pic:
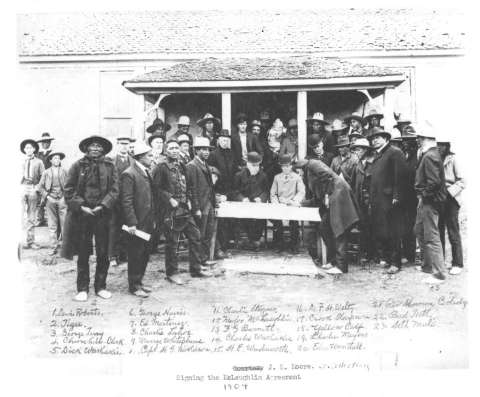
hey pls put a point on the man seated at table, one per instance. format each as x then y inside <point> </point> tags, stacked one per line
<point>287,188</point>
<point>251,185</point>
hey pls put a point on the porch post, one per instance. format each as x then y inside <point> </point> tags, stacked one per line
<point>227,110</point>
<point>388,108</point>
<point>302,124</point>
<point>138,119</point>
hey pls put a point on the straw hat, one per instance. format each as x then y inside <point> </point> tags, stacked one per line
<point>318,116</point>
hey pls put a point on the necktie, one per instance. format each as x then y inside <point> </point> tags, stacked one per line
<point>28,168</point>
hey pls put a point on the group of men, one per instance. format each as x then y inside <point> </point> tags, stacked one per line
<point>393,191</point>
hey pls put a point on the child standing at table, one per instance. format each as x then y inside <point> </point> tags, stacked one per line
<point>287,188</point>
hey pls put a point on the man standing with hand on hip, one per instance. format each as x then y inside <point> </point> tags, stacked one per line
<point>138,208</point>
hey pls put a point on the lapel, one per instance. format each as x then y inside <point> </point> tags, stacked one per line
<point>249,141</point>
<point>204,169</point>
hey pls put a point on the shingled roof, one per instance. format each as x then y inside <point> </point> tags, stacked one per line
<point>285,68</point>
<point>238,32</point>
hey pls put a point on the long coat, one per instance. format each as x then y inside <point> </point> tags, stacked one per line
<point>74,198</point>
<point>321,180</point>
<point>136,199</point>
<point>387,183</point>
<point>430,178</point>
<point>225,161</point>
<point>253,145</point>
<point>199,181</point>
<point>361,178</point>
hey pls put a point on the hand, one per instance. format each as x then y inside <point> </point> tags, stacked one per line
<point>97,210</point>
<point>87,210</point>
<point>395,202</point>
<point>173,203</point>
<point>257,199</point>
<point>131,230</point>
<point>246,200</point>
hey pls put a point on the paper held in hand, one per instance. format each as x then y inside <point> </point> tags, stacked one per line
<point>138,233</point>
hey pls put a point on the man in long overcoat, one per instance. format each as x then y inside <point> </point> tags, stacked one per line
<point>91,190</point>
<point>386,193</point>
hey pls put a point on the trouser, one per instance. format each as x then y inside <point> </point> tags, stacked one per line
<point>93,226</point>
<point>449,219</point>
<point>426,229</point>
<point>197,255</point>
<point>30,201</point>
<point>278,232</point>
<point>41,210</point>
<point>225,233</point>
<point>388,243</point>
<point>253,227</point>
<point>138,251</point>
<point>409,241</point>
<point>117,238</point>
<point>366,240</point>
<point>56,210</point>
<point>206,224</point>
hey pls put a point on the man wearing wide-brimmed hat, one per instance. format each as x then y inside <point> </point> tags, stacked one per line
<point>45,143</point>
<point>346,161</point>
<point>315,150</point>
<point>373,119</point>
<point>51,187</point>
<point>402,122</point>
<point>91,191</point>
<point>199,179</point>
<point>210,126</point>
<point>256,127</point>
<point>157,143</point>
<point>244,141</point>
<point>338,128</point>
<point>138,209</point>
<point>31,174</point>
<point>355,121</point>
<point>289,143</point>
<point>386,194</point>
<point>317,125</point>
<point>432,194</point>
<point>185,155</point>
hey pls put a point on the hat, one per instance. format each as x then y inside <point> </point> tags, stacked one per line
<point>201,142</point>
<point>361,142</point>
<point>158,123</point>
<point>401,121</point>
<point>379,131</point>
<point>154,136</point>
<point>313,140</point>
<point>183,120</point>
<point>254,158</point>
<point>124,138</point>
<point>285,159</point>
<point>342,141</point>
<point>241,117</point>
<point>224,133</point>
<point>45,137</point>
<point>338,125</point>
<point>355,134</point>
<point>292,123</point>
<point>214,170</point>
<point>208,117</point>
<point>140,148</point>
<point>30,141</point>
<point>104,142</point>
<point>265,115</point>
<point>354,116</point>
<point>255,122</point>
<point>373,113</point>
<point>183,138</point>
<point>318,117</point>
<point>425,130</point>
<point>56,153</point>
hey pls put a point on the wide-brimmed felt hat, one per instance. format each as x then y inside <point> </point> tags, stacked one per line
<point>104,142</point>
<point>313,140</point>
<point>254,158</point>
<point>355,116</point>
<point>183,120</point>
<point>158,123</point>
<point>355,134</point>
<point>201,142</point>
<point>361,142</point>
<point>56,153</point>
<point>256,123</point>
<point>140,148</point>
<point>375,131</point>
<point>401,121</point>
<point>224,133</point>
<point>125,138</point>
<point>338,126</point>
<point>45,137</point>
<point>373,113</point>
<point>155,136</point>
<point>33,142</point>
<point>342,141</point>
<point>318,116</point>
<point>285,159</point>
<point>208,117</point>
<point>182,138</point>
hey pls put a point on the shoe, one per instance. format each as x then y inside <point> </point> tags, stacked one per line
<point>209,263</point>
<point>82,296</point>
<point>146,288</point>
<point>455,270</point>
<point>175,279</point>
<point>334,270</point>
<point>433,280</point>
<point>140,293</point>
<point>392,270</point>
<point>327,266</point>
<point>201,274</point>
<point>104,294</point>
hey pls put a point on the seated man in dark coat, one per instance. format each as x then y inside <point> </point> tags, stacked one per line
<point>91,190</point>
<point>251,185</point>
<point>138,207</point>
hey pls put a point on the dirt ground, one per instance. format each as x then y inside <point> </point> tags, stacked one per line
<point>53,286</point>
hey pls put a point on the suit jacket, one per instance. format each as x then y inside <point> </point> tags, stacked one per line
<point>122,165</point>
<point>225,161</point>
<point>44,157</point>
<point>253,145</point>
<point>250,186</point>
<point>45,184</point>
<point>199,180</point>
<point>136,198</point>
<point>345,166</point>
<point>430,178</point>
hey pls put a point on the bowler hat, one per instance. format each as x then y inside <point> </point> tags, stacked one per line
<point>31,142</point>
<point>45,137</point>
<point>401,122</point>
<point>354,116</point>
<point>183,120</point>
<point>241,117</point>
<point>224,133</point>
<point>208,117</point>
<point>201,142</point>
<point>256,122</point>
<point>317,117</point>
<point>285,159</point>
<point>361,142</point>
<point>379,131</point>
<point>254,158</point>
<point>125,138</point>
<point>140,148</point>
<point>342,141</point>
<point>154,136</point>
<point>373,113</point>
<point>56,153</point>
<point>313,140</point>
<point>158,123</point>
<point>104,142</point>
<point>182,138</point>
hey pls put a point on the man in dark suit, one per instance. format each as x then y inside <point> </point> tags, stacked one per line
<point>116,245</point>
<point>199,179</point>
<point>137,204</point>
<point>244,142</point>
<point>386,192</point>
